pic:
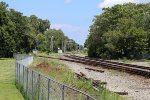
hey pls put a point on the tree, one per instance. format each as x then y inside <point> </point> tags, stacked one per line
<point>7,43</point>
<point>120,31</point>
<point>38,25</point>
<point>22,34</point>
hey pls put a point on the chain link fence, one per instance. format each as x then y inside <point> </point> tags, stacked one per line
<point>37,86</point>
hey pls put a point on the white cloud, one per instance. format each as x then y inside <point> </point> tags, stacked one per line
<point>67,1</point>
<point>143,1</point>
<point>110,3</point>
<point>66,27</point>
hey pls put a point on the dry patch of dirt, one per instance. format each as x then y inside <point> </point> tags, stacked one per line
<point>47,67</point>
<point>43,65</point>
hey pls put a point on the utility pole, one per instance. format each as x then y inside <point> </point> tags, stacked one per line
<point>52,43</point>
<point>64,46</point>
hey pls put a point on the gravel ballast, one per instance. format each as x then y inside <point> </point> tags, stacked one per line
<point>138,87</point>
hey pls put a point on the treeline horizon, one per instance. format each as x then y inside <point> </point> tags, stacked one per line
<point>121,31</point>
<point>22,34</point>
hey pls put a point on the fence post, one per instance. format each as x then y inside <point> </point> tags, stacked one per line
<point>48,88</point>
<point>23,77</point>
<point>32,87</point>
<point>39,88</point>
<point>42,95</point>
<point>27,84</point>
<point>19,75</point>
<point>62,91</point>
<point>16,73</point>
<point>87,98</point>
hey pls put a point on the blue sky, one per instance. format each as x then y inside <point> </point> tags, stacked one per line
<point>72,16</point>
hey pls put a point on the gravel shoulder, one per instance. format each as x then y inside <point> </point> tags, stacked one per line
<point>141,63</point>
<point>138,87</point>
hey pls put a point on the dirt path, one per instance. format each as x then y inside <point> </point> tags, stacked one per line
<point>138,88</point>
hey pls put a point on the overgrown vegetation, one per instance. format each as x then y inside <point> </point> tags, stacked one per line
<point>8,89</point>
<point>19,33</point>
<point>120,31</point>
<point>59,71</point>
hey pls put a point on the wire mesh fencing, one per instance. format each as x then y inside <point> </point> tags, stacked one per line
<point>37,86</point>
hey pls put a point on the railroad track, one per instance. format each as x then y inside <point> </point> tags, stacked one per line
<point>133,69</point>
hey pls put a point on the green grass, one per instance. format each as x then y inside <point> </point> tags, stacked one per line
<point>146,60</point>
<point>125,60</point>
<point>49,54</point>
<point>8,90</point>
<point>61,72</point>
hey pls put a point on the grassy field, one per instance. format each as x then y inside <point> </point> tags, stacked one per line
<point>8,90</point>
<point>61,72</point>
<point>60,55</point>
<point>49,54</point>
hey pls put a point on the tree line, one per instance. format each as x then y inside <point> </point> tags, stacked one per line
<point>19,33</point>
<point>122,31</point>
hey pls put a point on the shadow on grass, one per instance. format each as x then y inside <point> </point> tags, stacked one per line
<point>4,59</point>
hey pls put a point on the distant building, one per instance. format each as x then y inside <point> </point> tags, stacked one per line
<point>59,50</point>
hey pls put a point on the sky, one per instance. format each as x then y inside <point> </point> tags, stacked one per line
<point>74,17</point>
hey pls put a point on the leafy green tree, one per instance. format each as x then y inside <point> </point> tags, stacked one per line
<point>38,25</point>
<point>7,43</point>
<point>120,31</point>
<point>22,34</point>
